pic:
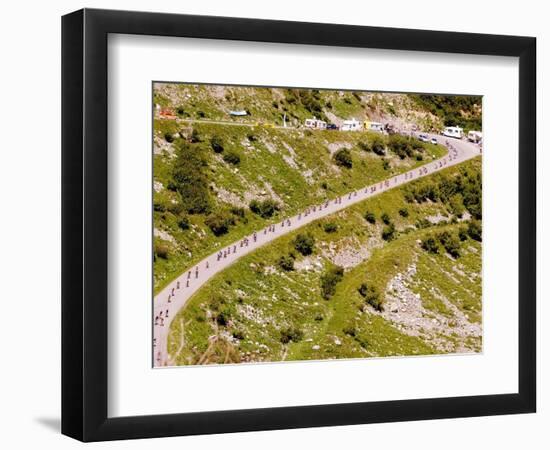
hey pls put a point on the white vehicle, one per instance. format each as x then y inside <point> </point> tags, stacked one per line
<point>351,125</point>
<point>475,136</point>
<point>433,141</point>
<point>453,132</point>
<point>423,138</point>
<point>315,124</point>
<point>374,126</point>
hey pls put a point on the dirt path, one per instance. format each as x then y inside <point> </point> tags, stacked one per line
<point>174,297</point>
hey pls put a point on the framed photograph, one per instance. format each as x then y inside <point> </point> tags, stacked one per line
<point>274,224</point>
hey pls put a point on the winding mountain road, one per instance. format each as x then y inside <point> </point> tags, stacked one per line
<point>174,297</point>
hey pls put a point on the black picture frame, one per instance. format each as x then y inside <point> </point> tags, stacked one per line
<point>84,224</point>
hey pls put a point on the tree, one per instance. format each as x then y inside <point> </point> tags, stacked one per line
<point>386,218</point>
<point>404,212</point>
<point>291,334</point>
<point>330,227</point>
<point>343,158</point>
<point>450,243</point>
<point>304,243</point>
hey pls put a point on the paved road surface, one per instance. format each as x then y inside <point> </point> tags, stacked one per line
<point>174,296</point>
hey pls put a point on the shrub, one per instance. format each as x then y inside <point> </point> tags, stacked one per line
<point>330,227</point>
<point>386,218</point>
<point>265,209</point>
<point>219,223</point>
<point>291,334</point>
<point>190,179</point>
<point>350,331</point>
<point>232,157</point>
<point>238,334</point>
<point>304,243</point>
<point>385,164</point>
<point>195,136</point>
<point>377,145</point>
<point>450,243</point>
<point>370,217</point>
<point>389,232</point>
<point>474,230</point>
<point>343,158</point>
<point>286,263</point>
<point>404,212</point>
<point>183,223</point>
<point>251,137</point>
<point>201,114</point>
<point>162,250</point>
<point>216,143</point>
<point>169,137</point>
<point>324,185</point>
<point>372,296</point>
<point>223,317</point>
<point>463,233</point>
<point>237,211</point>
<point>430,245</point>
<point>329,280</point>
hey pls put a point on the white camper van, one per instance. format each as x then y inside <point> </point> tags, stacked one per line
<point>351,125</point>
<point>315,124</point>
<point>453,132</point>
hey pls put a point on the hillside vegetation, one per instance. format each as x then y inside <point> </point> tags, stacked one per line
<point>397,274</point>
<point>216,183</point>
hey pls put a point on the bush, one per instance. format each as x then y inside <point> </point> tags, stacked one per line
<point>195,136</point>
<point>370,217</point>
<point>219,223</point>
<point>430,245</point>
<point>474,230</point>
<point>463,233</point>
<point>329,280</point>
<point>251,137</point>
<point>343,158</point>
<point>330,227</point>
<point>350,331</point>
<point>401,146</point>
<point>404,212</point>
<point>223,317</point>
<point>450,243</point>
<point>190,180</point>
<point>291,334</point>
<point>232,158</point>
<point>386,218</point>
<point>169,137</point>
<point>364,146</point>
<point>286,263</point>
<point>162,250</point>
<point>237,211</point>
<point>183,223</point>
<point>265,209</point>
<point>378,145</point>
<point>216,143</point>
<point>389,232</point>
<point>385,164</point>
<point>304,243</point>
<point>372,296</point>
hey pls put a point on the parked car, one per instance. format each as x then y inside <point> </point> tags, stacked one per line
<point>423,138</point>
<point>332,126</point>
<point>433,141</point>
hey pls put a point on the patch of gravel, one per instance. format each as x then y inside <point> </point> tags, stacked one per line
<point>164,235</point>
<point>405,310</point>
<point>229,197</point>
<point>157,186</point>
<point>309,264</point>
<point>350,252</point>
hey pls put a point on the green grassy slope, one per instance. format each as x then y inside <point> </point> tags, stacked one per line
<point>256,311</point>
<point>295,168</point>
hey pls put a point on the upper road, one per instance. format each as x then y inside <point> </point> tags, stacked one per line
<point>175,296</point>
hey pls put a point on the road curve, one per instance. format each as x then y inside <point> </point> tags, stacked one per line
<point>174,297</point>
